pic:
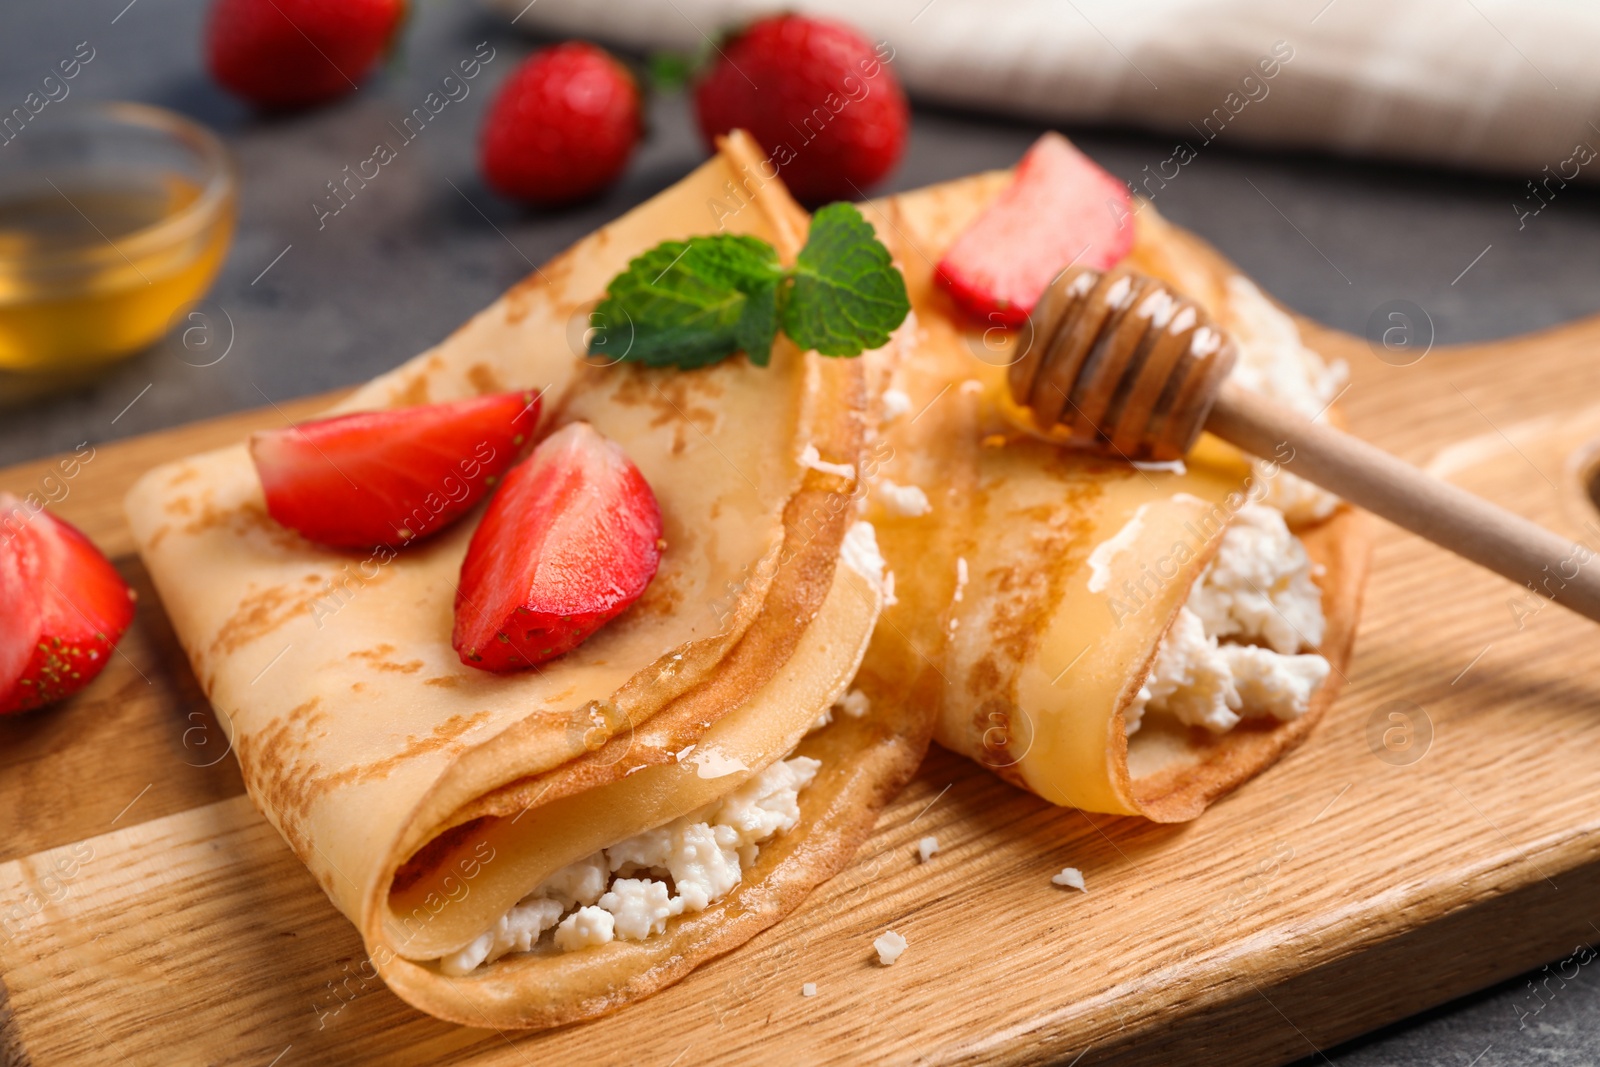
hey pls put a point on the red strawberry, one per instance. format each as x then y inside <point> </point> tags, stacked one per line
<point>816,96</point>
<point>65,608</point>
<point>290,53</point>
<point>571,539</point>
<point>1059,209</point>
<point>387,477</point>
<point>562,127</point>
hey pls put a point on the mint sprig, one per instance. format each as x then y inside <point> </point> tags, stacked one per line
<point>692,303</point>
<point>847,295</point>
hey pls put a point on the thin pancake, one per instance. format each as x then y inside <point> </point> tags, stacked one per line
<point>370,747</point>
<point>1037,656</point>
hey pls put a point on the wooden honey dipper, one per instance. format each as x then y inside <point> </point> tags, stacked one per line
<point>1120,363</point>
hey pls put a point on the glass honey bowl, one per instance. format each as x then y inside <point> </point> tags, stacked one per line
<point>112,217</point>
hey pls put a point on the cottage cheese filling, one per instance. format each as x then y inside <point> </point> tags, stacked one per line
<point>1233,650</point>
<point>1274,362</point>
<point>628,892</point>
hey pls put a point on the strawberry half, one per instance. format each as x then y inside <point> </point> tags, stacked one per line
<point>389,477</point>
<point>64,608</point>
<point>568,543</point>
<point>1059,209</point>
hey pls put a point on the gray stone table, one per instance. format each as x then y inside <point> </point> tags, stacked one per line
<point>425,245</point>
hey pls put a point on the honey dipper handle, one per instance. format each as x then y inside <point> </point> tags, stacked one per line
<point>1448,516</point>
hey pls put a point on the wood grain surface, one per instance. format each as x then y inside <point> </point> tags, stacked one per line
<point>149,915</point>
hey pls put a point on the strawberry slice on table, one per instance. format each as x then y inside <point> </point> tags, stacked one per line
<point>572,538</point>
<point>1059,209</point>
<point>63,608</point>
<point>390,477</point>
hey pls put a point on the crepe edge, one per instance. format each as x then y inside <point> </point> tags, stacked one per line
<point>865,763</point>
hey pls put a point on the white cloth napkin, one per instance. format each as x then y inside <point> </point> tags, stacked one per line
<point>1506,85</point>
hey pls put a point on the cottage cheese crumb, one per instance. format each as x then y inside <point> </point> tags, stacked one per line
<point>639,907</point>
<point>926,848</point>
<point>584,927</point>
<point>579,883</point>
<point>907,501</point>
<point>1071,878</point>
<point>895,404</point>
<point>809,989</point>
<point>889,945</point>
<point>855,704</point>
<point>859,552</point>
<point>810,457</point>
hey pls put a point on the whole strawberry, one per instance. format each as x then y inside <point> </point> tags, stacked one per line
<point>817,97</point>
<point>292,53</point>
<point>562,127</point>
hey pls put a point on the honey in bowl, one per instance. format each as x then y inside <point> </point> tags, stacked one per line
<point>111,219</point>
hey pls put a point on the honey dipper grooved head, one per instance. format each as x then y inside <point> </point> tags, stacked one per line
<point>1121,363</point>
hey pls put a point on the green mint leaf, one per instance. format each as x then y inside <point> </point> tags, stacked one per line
<point>758,325</point>
<point>848,296</point>
<point>691,303</point>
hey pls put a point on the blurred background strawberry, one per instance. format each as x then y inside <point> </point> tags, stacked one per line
<point>293,53</point>
<point>562,127</point>
<point>816,95</point>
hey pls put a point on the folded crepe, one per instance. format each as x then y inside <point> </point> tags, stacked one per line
<point>1114,638</point>
<point>658,795</point>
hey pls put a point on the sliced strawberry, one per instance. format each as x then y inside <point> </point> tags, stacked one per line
<point>19,602</point>
<point>1060,208</point>
<point>64,608</point>
<point>388,477</point>
<point>570,540</point>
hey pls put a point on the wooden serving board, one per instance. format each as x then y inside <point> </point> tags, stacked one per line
<point>148,914</point>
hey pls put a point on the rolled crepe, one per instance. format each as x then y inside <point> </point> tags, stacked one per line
<point>427,797</point>
<point>1040,582</point>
